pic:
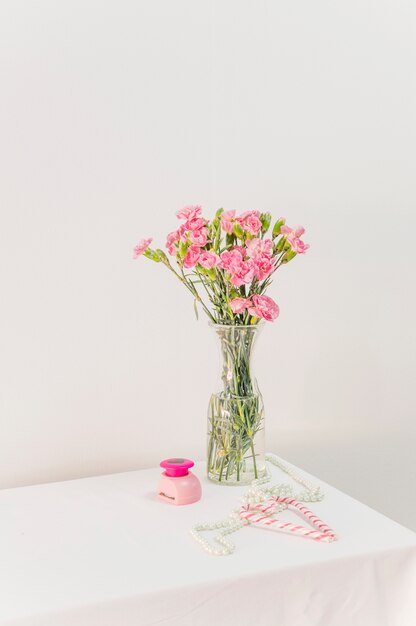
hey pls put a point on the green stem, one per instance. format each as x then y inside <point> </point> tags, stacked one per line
<point>254,459</point>
<point>221,469</point>
<point>191,287</point>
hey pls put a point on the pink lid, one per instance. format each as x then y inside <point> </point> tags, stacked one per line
<point>176,467</point>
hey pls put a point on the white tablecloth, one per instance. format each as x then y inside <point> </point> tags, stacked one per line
<point>106,551</point>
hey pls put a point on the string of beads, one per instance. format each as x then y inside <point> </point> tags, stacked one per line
<point>257,493</point>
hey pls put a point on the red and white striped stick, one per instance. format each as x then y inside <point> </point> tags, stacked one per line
<point>261,514</point>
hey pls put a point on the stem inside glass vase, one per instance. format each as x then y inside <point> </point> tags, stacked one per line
<point>236,412</point>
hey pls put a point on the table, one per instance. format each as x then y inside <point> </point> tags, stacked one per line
<point>106,551</point>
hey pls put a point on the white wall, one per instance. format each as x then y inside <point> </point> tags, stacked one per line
<point>115,114</point>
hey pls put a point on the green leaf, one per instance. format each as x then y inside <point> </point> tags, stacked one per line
<point>218,213</point>
<point>196,309</point>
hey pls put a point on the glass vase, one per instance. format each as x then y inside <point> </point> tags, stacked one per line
<point>236,412</point>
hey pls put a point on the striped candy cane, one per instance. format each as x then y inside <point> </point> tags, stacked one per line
<point>261,514</point>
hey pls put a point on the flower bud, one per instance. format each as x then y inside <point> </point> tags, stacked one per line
<point>277,227</point>
<point>265,219</point>
<point>279,246</point>
<point>212,273</point>
<point>152,255</point>
<point>183,248</point>
<point>229,240</point>
<point>162,255</point>
<point>289,255</point>
<point>238,231</point>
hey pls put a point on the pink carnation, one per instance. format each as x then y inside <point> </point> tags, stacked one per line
<point>227,221</point>
<point>199,237</point>
<point>241,272</point>
<point>293,236</point>
<point>263,266</point>
<point>292,232</point>
<point>182,234</point>
<point>259,246</point>
<point>188,212</point>
<point>299,246</point>
<point>141,247</point>
<point>231,258</point>
<point>238,305</point>
<point>260,251</point>
<point>173,238</point>
<point>192,256</point>
<point>264,307</point>
<point>208,259</point>
<point>250,222</point>
<point>195,223</point>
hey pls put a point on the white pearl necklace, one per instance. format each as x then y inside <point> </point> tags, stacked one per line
<point>255,495</point>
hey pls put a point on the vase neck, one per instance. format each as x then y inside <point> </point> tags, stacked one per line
<point>236,351</point>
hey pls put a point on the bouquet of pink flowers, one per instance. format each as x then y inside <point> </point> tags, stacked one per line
<point>227,263</point>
